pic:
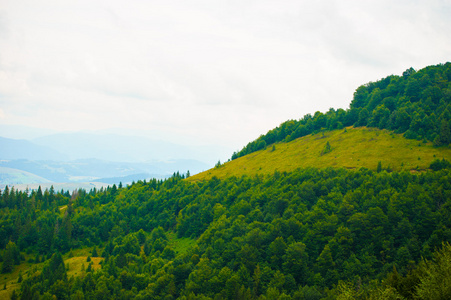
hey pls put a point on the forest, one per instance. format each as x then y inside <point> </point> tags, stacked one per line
<point>309,234</point>
<point>313,233</point>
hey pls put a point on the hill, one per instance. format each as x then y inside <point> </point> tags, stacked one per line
<point>416,104</point>
<point>351,148</point>
<point>355,212</point>
<point>88,170</point>
<point>14,177</point>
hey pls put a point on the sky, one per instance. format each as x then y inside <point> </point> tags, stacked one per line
<point>203,72</point>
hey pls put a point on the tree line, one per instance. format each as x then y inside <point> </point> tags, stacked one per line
<point>416,104</point>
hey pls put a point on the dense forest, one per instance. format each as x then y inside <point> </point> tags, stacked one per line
<point>309,234</point>
<point>416,104</point>
<point>313,233</point>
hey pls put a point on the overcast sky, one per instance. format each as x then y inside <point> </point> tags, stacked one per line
<point>204,72</point>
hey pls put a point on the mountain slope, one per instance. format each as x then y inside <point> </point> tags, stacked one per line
<point>9,176</point>
<point>94,169</point>
<point>416,104</point>
<point>349,148</point>
<point>23,149</point>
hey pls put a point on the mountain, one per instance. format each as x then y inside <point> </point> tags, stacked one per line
<point>87,156</point>
<point>23,149</point>
<point>416,104</point>
<point>15,177</point>
<point>83,170</point>
<point>120,148</point>
<point>350,148</point>
<point>23,132</point>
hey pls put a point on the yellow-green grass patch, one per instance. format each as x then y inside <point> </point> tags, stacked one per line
<point>76,266</point>
<point>10,279</point>
<point>179,245</point>
<point>351,148</point>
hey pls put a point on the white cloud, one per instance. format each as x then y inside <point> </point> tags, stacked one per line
<point>204,71</point>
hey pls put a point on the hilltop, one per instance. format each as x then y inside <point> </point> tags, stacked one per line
<point>403,122</point>
<point>350,148</point>
<point>416,104</point>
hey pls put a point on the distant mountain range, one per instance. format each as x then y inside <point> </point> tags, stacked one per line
<point>114,147</point>
<point>21,149</point>
<point>109,158</point>
<point>94,169</point>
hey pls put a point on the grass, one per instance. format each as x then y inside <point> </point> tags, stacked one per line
<point>10,279</point>
<point>75,264</point>
<point>78,265</point>
<point>179,245</point>
<point>352,148</point>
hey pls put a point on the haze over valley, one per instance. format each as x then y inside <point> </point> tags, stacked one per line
<point>95,157</point>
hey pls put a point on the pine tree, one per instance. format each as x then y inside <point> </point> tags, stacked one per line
<point>94,252</point>
<point>8,257</point>
<point>379,167</point>
<point>445,133</point>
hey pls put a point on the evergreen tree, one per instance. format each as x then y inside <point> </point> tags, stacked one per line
<point>435,278</point>
<point>94,252</point>
<point>8,257</point>
<point>444,137</point>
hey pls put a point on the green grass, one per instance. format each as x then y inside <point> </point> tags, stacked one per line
<point>352,148</point>
<point>78,265</point>
<point>179,245</point>
<point>12,176</point>
<point>75,261</point>
<point>10,279</point>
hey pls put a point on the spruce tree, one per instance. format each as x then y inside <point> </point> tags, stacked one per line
<point>445,133</point>
<point>94,252</point>
<point>10,256</point>
<point>379,167</point>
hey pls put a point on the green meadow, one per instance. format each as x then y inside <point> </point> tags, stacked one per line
<point>351,148</point>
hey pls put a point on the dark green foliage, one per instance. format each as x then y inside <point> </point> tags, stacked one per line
<point>11,257</point>
<point>14,295</point>
<point>444,136</point>
<point>416,105</point>
<point>327,148</point>
<point>52,280</point>
<point>430,279</point>
<point>292,235</point>
<point>440,164</point>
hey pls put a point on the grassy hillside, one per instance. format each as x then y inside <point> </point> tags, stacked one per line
<point>10,176</point>
<point>349,148</point>
<point>415,104</point>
